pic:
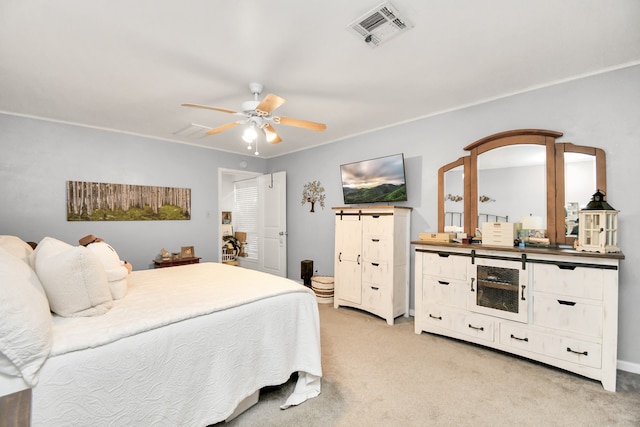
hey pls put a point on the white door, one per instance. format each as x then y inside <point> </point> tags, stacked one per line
<point>272,223</point>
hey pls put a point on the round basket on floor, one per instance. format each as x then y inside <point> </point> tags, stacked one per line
<point>323,288</point>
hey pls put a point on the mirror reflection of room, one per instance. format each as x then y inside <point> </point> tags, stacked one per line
<point>512,184</point>
<point>580,183</point>
<point>454,200</point>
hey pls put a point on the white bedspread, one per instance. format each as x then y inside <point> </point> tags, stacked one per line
<point>159,297</point>
<point>177,352</point>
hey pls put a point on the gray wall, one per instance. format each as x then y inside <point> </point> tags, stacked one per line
<point>38,157</point>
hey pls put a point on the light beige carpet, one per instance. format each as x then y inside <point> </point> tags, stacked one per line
<point>380,375</point>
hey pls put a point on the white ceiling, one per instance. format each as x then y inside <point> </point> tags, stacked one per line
<point>127,65</point>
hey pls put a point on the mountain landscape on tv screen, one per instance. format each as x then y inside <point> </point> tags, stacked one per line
<point>381,193</point>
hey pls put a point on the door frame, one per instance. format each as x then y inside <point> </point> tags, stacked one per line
<point>226,177</point>
<point>235,175</point>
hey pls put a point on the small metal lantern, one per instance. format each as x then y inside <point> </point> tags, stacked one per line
<point>598,226</point>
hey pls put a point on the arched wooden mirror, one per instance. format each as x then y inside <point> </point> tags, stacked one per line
<point>500,172</point>
<point>508,146</point>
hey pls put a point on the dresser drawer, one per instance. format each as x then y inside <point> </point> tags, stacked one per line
<point>581,316</point>
<point>580,282</point>
<point>517,336</point>
<point>445,265</point>
<point>373,296</point>
<point>377,248</point>
<point>452,293</point>
<point>377,225</point>
<point>376,272</point>
<point>437,316</point>
<point>474,325</point>
<point>579,351</point>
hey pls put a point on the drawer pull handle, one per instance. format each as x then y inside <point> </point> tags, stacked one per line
<point>435,317</point>
<point>443,283</point>
<point>566,267</point>
<point>441,255</point>
<point>375,288</point>
<point>358,259</point>
<point>519,339</point>
<point>562,302</point>
<point>375,264</point>
<point>375,240</point>
<point>584,353</point>
<point>376,216</point>
<point>340,257</point>
<point>477,328</point>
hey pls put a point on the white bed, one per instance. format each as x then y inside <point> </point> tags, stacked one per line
<point>185,346</point>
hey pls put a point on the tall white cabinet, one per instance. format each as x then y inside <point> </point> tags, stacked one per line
<point>559,307</point>
<point>372,253</point>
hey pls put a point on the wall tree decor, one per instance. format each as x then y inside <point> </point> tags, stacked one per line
<point>313,192</point>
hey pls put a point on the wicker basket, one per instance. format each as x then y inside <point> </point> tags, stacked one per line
<point>323,288</point>
<point>228,257</point>
<point>228,254</point>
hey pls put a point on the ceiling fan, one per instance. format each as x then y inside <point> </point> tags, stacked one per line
<point>258,116</point>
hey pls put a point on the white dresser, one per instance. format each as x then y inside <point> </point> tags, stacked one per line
<point>372,252</point>
<point>556,306</point>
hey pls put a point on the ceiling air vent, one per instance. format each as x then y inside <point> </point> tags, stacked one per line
<point>379,25</point>
<point>193,130</point>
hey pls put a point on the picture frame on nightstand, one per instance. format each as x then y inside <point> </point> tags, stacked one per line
<point>187,252</point>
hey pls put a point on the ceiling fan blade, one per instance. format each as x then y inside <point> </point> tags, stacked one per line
<point>206,107</point>
<point>221,128</point>
<point>268,104</point>
<point>271,134</point>
<point>300,123</point>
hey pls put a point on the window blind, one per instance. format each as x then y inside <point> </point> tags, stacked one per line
<point>245,213</point>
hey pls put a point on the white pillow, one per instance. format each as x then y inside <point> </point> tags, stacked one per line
<point>25,319</point>
<point>73,278</point>
<point>113,266</point>
<point>16,246</point>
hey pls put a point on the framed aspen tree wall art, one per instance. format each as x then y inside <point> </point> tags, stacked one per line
<point>96,201</point>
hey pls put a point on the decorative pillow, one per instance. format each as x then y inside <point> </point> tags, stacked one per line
<point>73,278</point>
<point>25,319</point>
<point>17,247</point>
<point>115,269</point>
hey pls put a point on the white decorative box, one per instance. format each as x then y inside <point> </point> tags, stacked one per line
<point>499,233</point>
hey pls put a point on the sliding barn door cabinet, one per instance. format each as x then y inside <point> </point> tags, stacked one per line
<point>372,252</point>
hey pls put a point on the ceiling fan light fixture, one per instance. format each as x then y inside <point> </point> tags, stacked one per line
<point>270,137</point>
<point>250,134</point>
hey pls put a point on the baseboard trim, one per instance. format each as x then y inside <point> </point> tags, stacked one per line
<point>634,368</point>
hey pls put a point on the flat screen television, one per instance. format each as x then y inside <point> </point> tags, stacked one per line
<point>375,180</point>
